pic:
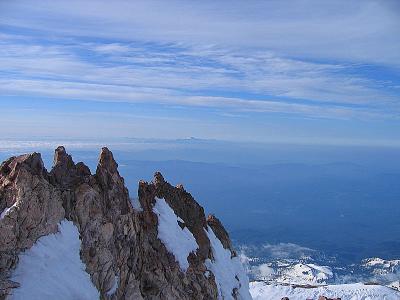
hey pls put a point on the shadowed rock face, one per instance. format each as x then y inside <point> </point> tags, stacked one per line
<point>220,232</point>
<point>118,243</point>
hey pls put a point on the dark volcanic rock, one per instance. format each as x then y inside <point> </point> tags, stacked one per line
<point>119,245</point>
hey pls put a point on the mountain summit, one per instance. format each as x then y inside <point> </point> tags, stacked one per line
<point>70,234</point>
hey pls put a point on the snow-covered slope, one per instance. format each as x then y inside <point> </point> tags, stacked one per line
<point>229,272</point>
<point>356,291</point>
<point>52,269</point>
<point>178,241</point>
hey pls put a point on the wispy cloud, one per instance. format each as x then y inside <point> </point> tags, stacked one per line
<point>357,31</point>
<point>208,76</point>
<point>307,60</point>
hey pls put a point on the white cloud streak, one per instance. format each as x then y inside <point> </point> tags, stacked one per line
<point>173,75</point>
<point>362,31</point>
<point>230,56</point>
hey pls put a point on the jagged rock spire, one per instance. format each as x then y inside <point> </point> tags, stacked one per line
<point>107,161</point>
<point>120,245</point>
<point>61,158</point>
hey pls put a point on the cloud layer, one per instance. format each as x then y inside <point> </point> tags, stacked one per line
<point>212,76</point>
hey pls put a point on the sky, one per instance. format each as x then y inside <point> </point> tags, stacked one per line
<point>318,72</point>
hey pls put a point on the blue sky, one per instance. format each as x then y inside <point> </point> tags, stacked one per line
<point>325,72</point>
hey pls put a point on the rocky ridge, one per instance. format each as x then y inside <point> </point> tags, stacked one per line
<point>120,245</point>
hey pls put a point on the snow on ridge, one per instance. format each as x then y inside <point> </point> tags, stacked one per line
<point>379,262</point>
<point>355,291</point>
<point>180,242</point>
<point>52,269</point>
<point>306,273</point>
<point>228,271</point>
<point>383,271</point>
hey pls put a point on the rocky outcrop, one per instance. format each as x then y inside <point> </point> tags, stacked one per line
<point>220,232</point>
<point>31,207</point>
<point>120,245</point>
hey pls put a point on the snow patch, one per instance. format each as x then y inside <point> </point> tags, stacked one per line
<point>52,269</point>
<point>5,211</point>
<point>114,287</point>
<point>228,271</point>
<point>180,242</point>
<point>356,291</point>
